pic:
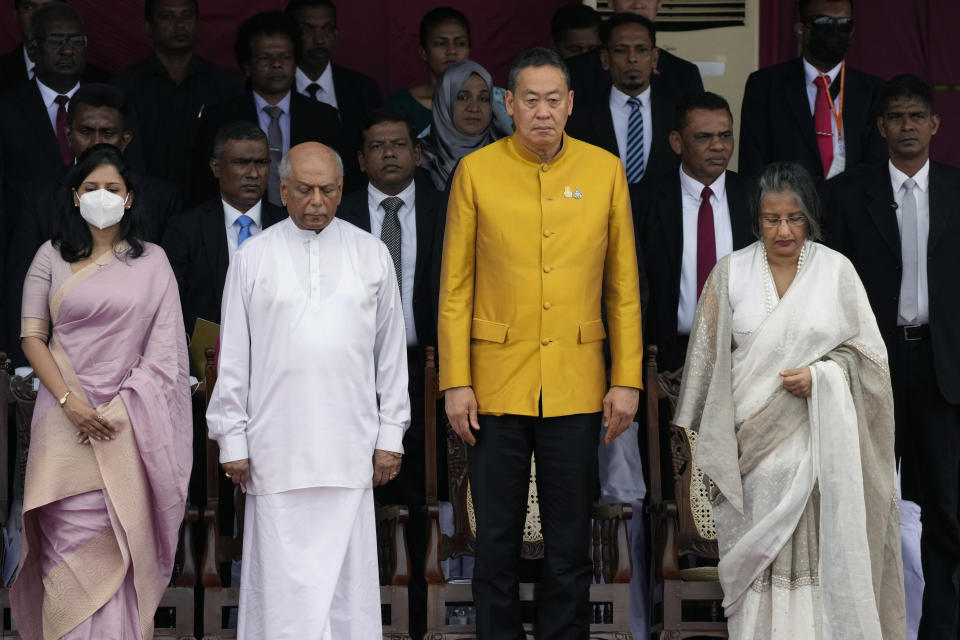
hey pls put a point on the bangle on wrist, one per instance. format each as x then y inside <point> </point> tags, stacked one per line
<point>63,399</point>
<point>394,454</point>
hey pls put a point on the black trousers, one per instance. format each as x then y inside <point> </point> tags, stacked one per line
<point>928,440</point>
<point>499,467</point>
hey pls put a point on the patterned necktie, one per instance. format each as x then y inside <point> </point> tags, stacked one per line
<point>244,221</point>
<point>635,165</point>
<point>706,239</point>
<point>62,140</point>
<point>275,144</point>
<point>312,90</point>
<point>909,302</point>
<point>390,233</point>
<point>823,124</point>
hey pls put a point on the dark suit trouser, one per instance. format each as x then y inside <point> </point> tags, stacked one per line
<point>499,466</point>
<point>408,489</point>
<point>928,430</point>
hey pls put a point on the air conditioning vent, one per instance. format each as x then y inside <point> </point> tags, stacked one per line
<point>691,15</point>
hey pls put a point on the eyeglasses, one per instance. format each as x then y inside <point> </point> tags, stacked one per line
<point>770,222</point>
<point>841,24</point>
<point>56,40</point>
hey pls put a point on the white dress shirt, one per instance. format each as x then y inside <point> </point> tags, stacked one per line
<point>264,118</point>
<point>30,64</point>
<point>230,216</point>
<point>49,97</point>
<point>408,246</point>
<point>811,74</point>
<point>313,365</point>
<point>620,112</point>
<point>326,93</point>
<point>690,190</point>
<point>921,192</point>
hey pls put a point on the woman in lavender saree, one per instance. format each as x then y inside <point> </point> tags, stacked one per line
<point>786,380</point>
<point>110,451</point>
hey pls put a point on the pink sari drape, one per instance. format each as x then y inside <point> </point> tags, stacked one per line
<point>116,506</point>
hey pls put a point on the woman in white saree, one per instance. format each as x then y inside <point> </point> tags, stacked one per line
<point>786,381</point>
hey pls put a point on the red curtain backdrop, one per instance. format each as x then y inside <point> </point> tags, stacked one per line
<point>891,37</point>
<point>377,37</point>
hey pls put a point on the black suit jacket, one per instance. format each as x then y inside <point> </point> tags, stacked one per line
<point>430,207</point>
<point>40,209</point>
<point>862,224</point>
<point>357,95</point>
<point>196,245</point>
<point>593,123</point>
<point>776,124</point>
<point>309,121</point>
<point>13,69</point>
<point>659,218</point>
<point>674,79</point>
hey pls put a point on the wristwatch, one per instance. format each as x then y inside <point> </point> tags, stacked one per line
<point>63,400</point>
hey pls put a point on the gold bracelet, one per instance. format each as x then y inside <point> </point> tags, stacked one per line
<point>394,454</point>
<point>63,400</point>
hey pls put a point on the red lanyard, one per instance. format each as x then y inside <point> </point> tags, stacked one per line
<point>837,112</point>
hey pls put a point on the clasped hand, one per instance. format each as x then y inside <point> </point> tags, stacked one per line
<point>89,423</point>
<point>798,381</point>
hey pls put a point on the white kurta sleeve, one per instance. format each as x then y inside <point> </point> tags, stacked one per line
<point>227,413</point>
<point>390,359</point>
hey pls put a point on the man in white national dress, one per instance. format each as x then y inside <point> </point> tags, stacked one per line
<point>310,408</point>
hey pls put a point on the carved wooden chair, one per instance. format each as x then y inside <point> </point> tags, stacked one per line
<point>220,549</point>
<point>610,591</point>
<point>686,602</point>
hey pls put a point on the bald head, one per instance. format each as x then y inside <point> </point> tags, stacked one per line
<point>311,184</point>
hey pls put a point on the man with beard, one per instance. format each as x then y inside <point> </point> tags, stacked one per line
<point>814,110</point>
<point>350,92</point>
<point>634,122</point>
<point>169,89</point>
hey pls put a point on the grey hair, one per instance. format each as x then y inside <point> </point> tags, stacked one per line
<point>286,168</point>
<point>536,57</point>
<point>792,178</point>
<point>237,130</point>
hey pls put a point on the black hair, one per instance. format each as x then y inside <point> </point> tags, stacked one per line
<point>906,86</point>
<point>96,95</point>
<point>535,57</point>
<point>72,237</point>
<point>268,23</point>
<point>296,5</point>
<point>438,16</point>
<point>150,9</point>
<point>622,18</point>
<point>49,12</point>
<point>236,130</point>
<point>17,3</point>
<point>573,16</point>
<point>803,6</point>
<point>387,114</point>
<point>703,100</point>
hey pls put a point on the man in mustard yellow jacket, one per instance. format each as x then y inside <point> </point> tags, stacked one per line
<point>538,230</point>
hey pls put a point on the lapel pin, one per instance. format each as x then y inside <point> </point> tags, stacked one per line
<point>567,193</point>
<point>577,194</point>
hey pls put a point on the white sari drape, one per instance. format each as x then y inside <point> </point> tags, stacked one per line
<point>806,505</point>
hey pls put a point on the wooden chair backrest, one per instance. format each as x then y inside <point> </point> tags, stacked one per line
<point>696,529</point>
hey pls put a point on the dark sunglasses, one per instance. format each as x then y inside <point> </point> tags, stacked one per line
<point>841,24</point>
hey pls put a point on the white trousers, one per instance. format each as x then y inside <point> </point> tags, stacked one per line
<point>310,566</point>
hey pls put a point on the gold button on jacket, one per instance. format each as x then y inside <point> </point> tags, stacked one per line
<point>529,250</point>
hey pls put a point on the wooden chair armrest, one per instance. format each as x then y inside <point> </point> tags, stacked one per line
<point>665,540</point>
<point>188,575</point>
<point>210,574</point>
<point>394,517</point>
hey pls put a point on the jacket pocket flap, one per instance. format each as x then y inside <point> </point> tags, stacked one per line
<point>592,331</point>
<point>488,330</point>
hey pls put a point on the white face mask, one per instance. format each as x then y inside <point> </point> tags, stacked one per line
<point>101,208</point>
